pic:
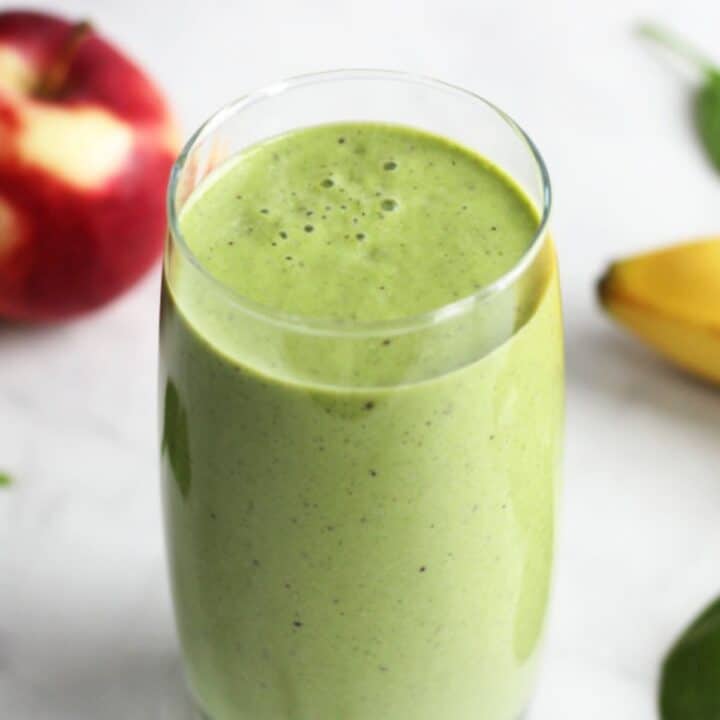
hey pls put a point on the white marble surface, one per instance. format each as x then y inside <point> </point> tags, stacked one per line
<point>85,625</point>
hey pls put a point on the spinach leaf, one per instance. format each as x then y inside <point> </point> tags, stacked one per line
<point>707,114</point>
<point>690,678</point>
<point>707,99</point>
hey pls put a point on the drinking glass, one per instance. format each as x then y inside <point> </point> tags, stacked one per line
<point>361,517</point>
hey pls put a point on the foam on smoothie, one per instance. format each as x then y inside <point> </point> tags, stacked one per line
<point>358,221</point>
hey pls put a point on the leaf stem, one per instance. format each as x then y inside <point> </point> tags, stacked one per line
<point>678,45</point>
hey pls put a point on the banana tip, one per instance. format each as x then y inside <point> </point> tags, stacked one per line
<point>602,287</point>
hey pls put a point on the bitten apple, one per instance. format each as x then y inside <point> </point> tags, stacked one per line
<point>86,146</point>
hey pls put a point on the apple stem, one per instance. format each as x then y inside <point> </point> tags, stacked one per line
<point>53,81</point>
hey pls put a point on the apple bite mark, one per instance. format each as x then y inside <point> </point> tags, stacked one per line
<point>16,73</point>
<point>85,147</point>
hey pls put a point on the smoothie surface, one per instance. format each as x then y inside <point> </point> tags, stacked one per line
<point>358,221</point>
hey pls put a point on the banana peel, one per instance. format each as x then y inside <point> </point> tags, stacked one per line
<point>670,298</point>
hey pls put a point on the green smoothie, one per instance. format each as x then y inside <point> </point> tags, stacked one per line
<point>359,528</point>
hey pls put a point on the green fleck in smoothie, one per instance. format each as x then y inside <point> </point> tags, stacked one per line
<point>379,549</point>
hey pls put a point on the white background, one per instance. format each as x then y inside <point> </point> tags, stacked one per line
<point>85,625</point>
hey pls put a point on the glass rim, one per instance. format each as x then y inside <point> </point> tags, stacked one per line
<point>328,326</point>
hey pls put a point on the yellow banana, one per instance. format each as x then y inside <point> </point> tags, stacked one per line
<point>671,299</point>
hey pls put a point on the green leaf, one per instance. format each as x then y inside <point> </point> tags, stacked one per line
<point>707,114</point>
<point>707,102</point>
<point>5,480</point>
<point>690,679</point>
<point>175,440</point>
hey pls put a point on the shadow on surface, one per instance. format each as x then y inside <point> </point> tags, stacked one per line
<point>16,333</point>
<point>604,361</point>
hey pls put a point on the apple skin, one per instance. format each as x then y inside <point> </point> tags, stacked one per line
<point>82,212</point>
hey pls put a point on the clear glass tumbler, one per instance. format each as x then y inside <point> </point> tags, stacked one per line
<point>330,563</point>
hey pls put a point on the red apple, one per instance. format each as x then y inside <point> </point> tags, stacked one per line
<point>86,146</point>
